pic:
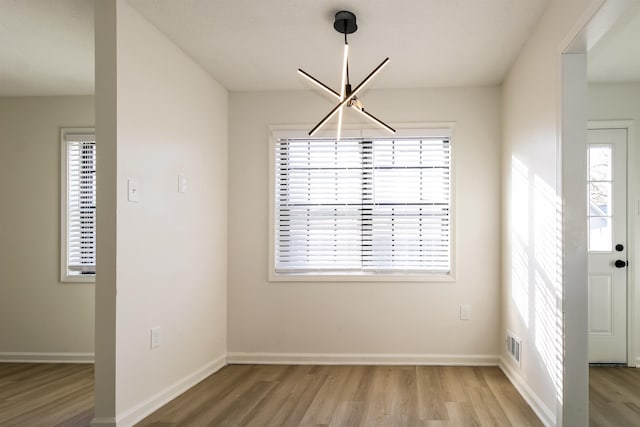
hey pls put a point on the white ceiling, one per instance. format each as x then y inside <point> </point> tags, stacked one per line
<point>616,56</point>
<point>47,46</point>
<point>258,44</point>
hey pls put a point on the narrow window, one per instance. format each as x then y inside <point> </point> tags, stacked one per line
<point>600,197</point>
<point>78,205</point>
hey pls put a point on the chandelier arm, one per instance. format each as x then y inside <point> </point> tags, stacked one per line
<point>343,82</point>
<point>370,76</point>
<point>345,72</point>
<point>318,83</point>
<point>339,131</point>
<point>375,120</point>
<point>349,83</point>
<point>326,118</point>
<point>348,98</point>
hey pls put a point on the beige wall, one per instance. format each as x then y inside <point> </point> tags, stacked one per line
<point>167,258</point>
<point>532,222</point>
<point>615,101</point>
<point>40,317</point>
<point>316,320</point>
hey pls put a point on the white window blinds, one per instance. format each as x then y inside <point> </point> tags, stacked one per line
<point>379,205</point>
<point>81,204</point>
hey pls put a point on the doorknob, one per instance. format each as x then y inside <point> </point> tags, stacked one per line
<point>620,263</point>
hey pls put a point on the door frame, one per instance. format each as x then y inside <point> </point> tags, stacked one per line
<point>598,18</point>
<point>633,210</point>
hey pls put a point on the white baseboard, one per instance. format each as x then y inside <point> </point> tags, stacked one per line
<point>362,359</point>
<point>637,362</point>
<point>103,422</point>
<point>146,407</point>
<point>546,415</point>
<point>33,357</point>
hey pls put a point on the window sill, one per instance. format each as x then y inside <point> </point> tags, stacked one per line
<point>361,277</point>
<point>88,279</point>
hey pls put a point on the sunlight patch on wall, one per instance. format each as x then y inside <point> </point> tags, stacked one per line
<point>547,239</point>
<point>520,279</point>
<point>548,279</point>
<point>520,200</point>
<point>536,268</point>
<point>548,328</point>
<point>520,238</point>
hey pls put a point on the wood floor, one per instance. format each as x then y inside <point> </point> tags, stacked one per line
<point>394,396</point>
<point>48,395</point>
<point>614,397</point>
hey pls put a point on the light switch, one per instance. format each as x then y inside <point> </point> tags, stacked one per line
<point>182,184</point>
<point>155,337</point>
<point>133,190</point>
<point>465,312</point>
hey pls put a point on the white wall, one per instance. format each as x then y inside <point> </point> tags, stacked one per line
<point>532,221</point>
<point>622,102</point>
<point>372,318</point>
<point>40,317</point>
<point>169,270</point>
<point>614,101</point>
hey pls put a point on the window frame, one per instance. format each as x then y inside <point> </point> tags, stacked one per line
<point>64,221</point>
<point>420,130</point>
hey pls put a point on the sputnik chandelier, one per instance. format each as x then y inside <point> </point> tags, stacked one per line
<point>345,23</point>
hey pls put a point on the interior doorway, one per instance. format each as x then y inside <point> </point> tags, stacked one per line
<point>574,409</point>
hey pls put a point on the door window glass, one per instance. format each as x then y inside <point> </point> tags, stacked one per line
<point>600,198</point>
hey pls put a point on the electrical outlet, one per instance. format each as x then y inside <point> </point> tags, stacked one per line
<point>155,337</point>
<point>465,312</point>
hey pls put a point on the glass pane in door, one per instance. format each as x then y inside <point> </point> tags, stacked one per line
<point>600,198</point>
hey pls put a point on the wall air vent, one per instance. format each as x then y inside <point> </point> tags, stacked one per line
<point>514,347</point>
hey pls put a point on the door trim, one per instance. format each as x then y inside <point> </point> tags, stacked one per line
<point>633,210</point>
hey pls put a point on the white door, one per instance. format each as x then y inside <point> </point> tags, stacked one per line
<point>607,215</point>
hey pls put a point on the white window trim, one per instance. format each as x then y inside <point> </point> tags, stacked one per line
<point>64,277</point>
<point>407,130</point>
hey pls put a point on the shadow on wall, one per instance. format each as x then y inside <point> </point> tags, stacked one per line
<point>536,273</point>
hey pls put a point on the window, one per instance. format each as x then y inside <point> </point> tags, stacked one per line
<point>600,197</point>
<point>78,217</point>
<point>362,207</point>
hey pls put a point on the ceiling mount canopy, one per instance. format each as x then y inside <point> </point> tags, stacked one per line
<point>345,23</point>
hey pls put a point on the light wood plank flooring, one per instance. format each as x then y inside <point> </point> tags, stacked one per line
<point>49,395</point>
<point>614,397</point>
<point>250,395</point>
